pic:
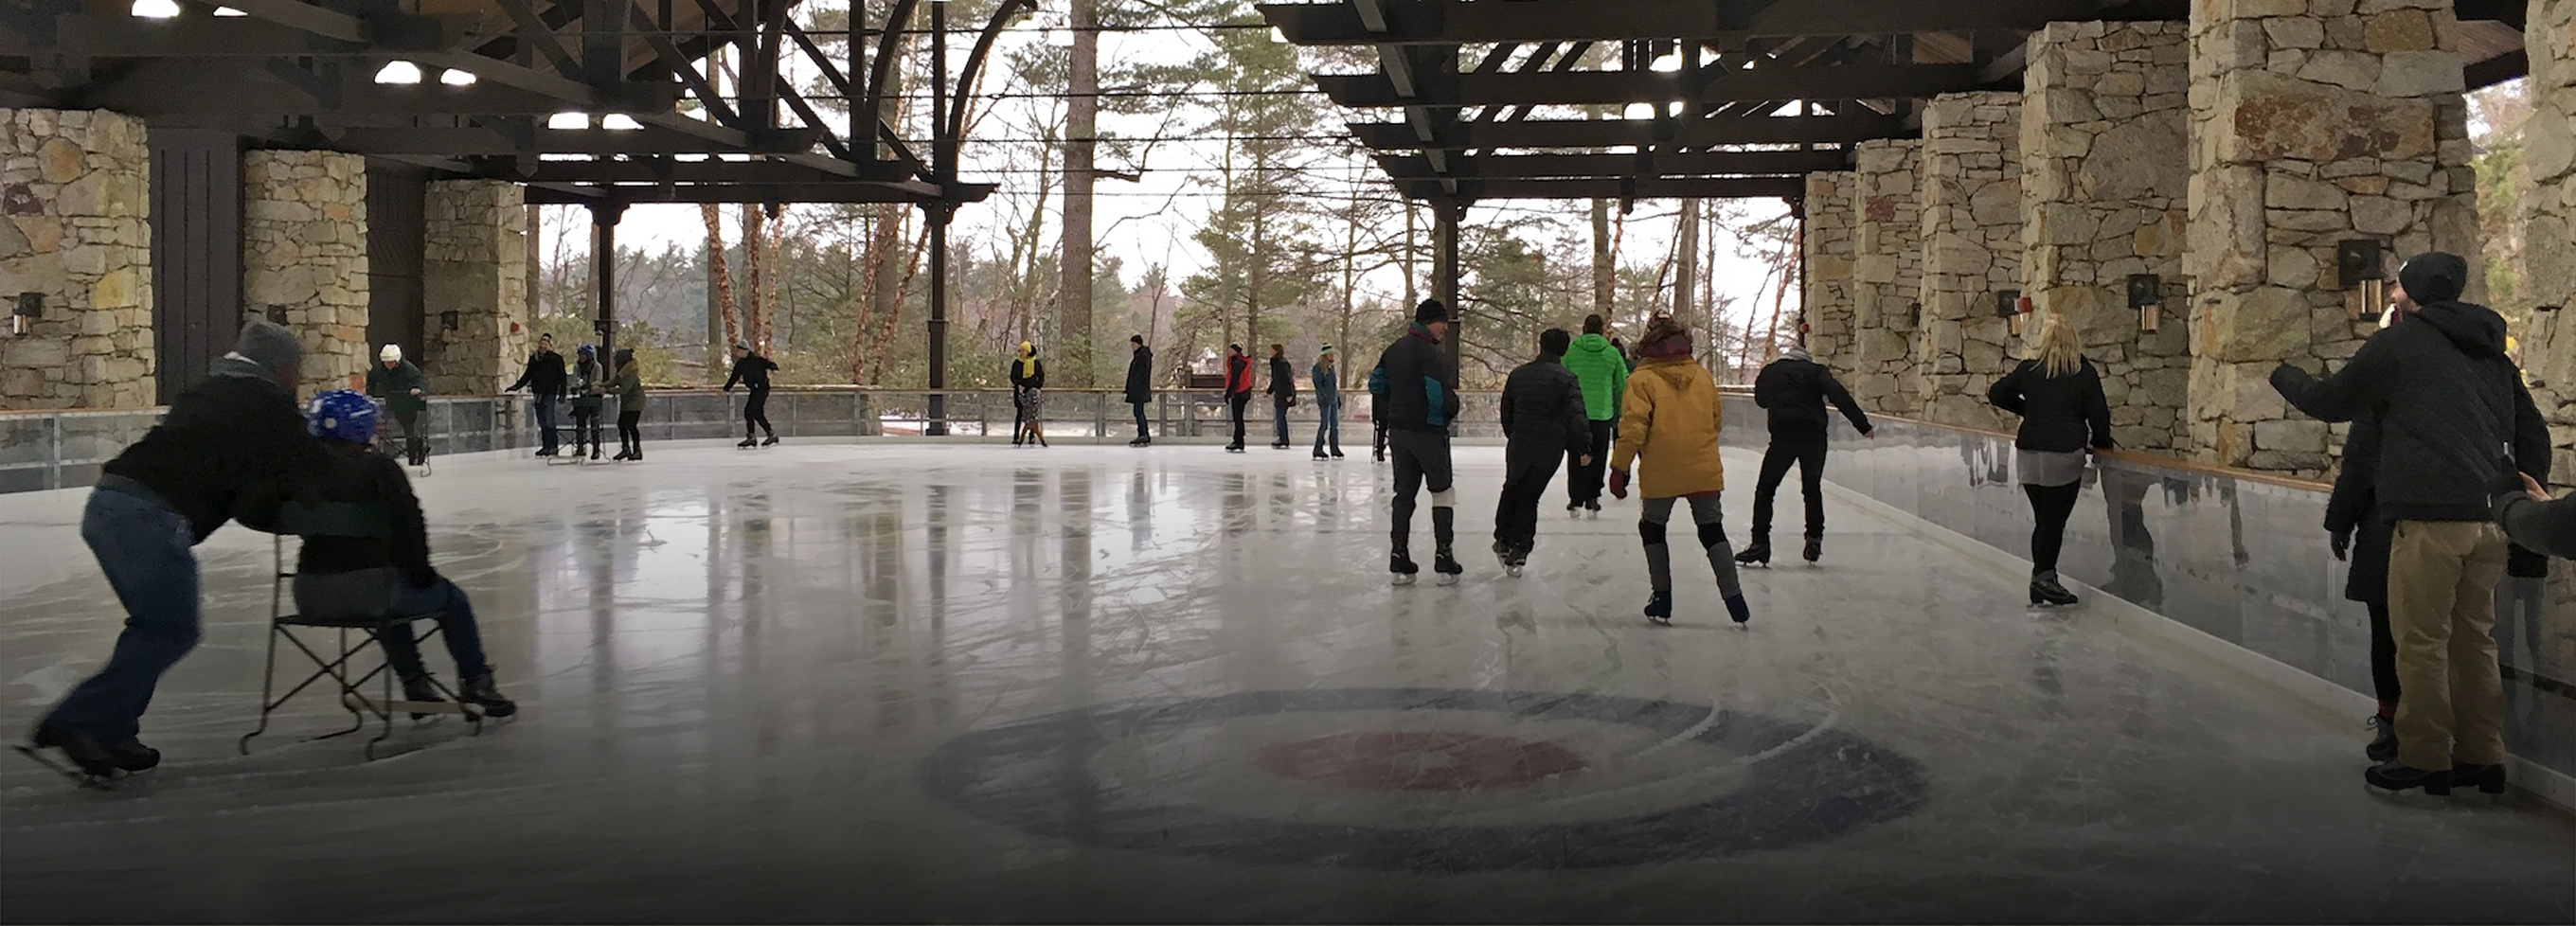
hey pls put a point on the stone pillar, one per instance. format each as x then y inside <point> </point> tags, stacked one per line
<point>304,256</point>
<point>2313,121</point>
<point>1887,267</point>
<point>2106,169</point>
<point>1971,251</point>
<point>2549,153</point>
<point>476,267</point>
<point>77,235</point>
<point>1829,297</point>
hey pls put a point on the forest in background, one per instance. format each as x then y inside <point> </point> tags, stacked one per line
<point>1299,241</point>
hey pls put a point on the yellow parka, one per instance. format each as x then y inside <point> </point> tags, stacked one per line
<point>1670,417</point>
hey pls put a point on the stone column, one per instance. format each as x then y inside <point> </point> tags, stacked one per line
<point>2313,121</point>
<point>304,256</point>
<point>2549,153</point>
<point>77,235</point>
<point>1887,267</point>
<point>477,267</point>
<point>1830,293</point>
<point>1971,251</point>
<point>2105,172</point>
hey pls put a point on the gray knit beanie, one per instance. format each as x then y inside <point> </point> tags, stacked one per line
<point>268,344</point>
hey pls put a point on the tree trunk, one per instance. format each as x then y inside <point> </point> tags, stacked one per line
<point>1082,127</point>
<point>1686,271</point>
<point>1605,261</point>
<point>720,279</point>
<point>755,314</point>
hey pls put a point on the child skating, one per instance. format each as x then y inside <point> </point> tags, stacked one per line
<point>1668,426</point>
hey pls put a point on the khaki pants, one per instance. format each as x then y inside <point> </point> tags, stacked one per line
<point>2442,577</point>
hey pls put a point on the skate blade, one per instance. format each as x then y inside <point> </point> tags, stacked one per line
<point>1401,579</point>
<point>73,773</point>
<point>1447,579</point>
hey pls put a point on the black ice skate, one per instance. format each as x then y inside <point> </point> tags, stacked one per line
<point>1758,554</point>
<point>748,443</point>
<point>1574,509</point>
<point>771,440</point>
<point>483,694</point>
<point>1815,549</point>
<point>2383,739</point>
<point>1593,507</point>
<point>1337,454</point>
<point>1402,567</point>
<point>92,763</point>
<point>1320,455</point>
<point>1659,608</point>
<point>1737,610</point>
<point>419,688</point>
<point>2398,779</point>
<point>1447,568</point>
<point>2045,592</point>
<point>2488,779</point>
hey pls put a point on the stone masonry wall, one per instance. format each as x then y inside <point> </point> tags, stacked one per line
<point>2106,120</point>
<point>2549,153</point>
<point>1829,296</point>
<point>1887,267</point>
<point>2313,121</point>
<point>477,267</point>
<point>77,233</point>
<point>304,256</point>
<point>1971,250</point>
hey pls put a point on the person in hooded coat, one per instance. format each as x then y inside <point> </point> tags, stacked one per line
<point>1668,428</point>
<point>2449,405</point>
<point>1597,363</point>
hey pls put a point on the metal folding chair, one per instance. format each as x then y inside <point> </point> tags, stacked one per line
<point>344,520</point>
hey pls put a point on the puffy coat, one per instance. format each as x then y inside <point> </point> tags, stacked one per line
<point>2058,413</point>
<point>1668,424</point>
<point>1328,394</point>
<point>1413,380</point>
<point>753,371</point>
<point>1598,364</point>
<point>1283,379</point>
<point>1795,391</point>
<point>629,384</point>
<point>2450,406</point>
<point>395,386</point>
<point>1543,402</point>
<point>1238,376</point>
<point>1140,376</point>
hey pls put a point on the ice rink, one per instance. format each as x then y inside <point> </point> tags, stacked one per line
<point>898,681</point>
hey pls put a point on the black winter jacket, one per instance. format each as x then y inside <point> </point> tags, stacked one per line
<point>2352,511</point>
<point>1543,402</point>
<point>1036,378</point>
<point>226,449</point>
<point>1414,380</point>
<point>752,371</point>
<point>1795,392</point>
<point>2450,406</point>
<point>1283,379</point>
<point>352,474</point>
<point>544,375</point>
<point>1140,376</point>
<point>2058,413</point>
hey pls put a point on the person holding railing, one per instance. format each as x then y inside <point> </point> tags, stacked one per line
<point>2063,411</point>
<point>405,391</point>
<point>544,380</point>
<point>588,385</point>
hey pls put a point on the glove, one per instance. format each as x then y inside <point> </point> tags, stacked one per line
<point>2340,542</point>
<point>1619,484</point>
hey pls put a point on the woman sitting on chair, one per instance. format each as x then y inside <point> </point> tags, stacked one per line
<point>396,568</point>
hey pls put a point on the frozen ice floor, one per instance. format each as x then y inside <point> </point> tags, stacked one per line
<point>907,682</point>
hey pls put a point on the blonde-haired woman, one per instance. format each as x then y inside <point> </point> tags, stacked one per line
<point>2059,398</point>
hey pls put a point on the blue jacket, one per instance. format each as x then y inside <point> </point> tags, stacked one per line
<point>1413,379</point>
<point>1328,391</point>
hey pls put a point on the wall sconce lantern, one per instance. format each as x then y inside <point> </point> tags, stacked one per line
<point>1914,315</point>
<point>447,320</point>
<point>2146,293</point>
<point>22,317</point>
<point>2011,306</point>
<point>600,326</point>
<point>2357,270</point>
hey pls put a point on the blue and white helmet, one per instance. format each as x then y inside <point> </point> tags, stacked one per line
<point>341,415</point>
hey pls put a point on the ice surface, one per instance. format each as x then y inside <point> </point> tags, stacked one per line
<point>845,682</point>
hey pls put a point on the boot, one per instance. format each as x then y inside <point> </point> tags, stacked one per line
<point>1757,553</point>
<point>1737,610</point>
<point>420,688</point>
<point>2383,739</point>
<point>2488,779</point>
<point>1660,607</point>
<point>771,440</point>
<point>2396,778</point>
<point>1402,567</point>
<point>595,449</point>
<point>480,691</point>
<point>93,758</point>
<point>747,442</point>
<point>2045,592</point>
<point>1815,549</point>
<point>1446,567</point>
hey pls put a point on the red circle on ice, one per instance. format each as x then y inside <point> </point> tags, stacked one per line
<point>1418,761</point>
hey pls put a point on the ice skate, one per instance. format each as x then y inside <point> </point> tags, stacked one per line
<point>1659,608</point>
<point>1446,566</point>
<point>770,441</point>
<point>2383,739</point>
<point>1503,555</point>
<point>1737,610</point>
<point>1402,568</point>
<point>2045,592</point>
<point>1320,455</point>
<point>1815,549</point>
<point>1758,554</point>
<point>91,762</point>
<point>1574,509</point>
<point>748,443</point>
<point>481,692</point>
<point>2392,778</point>
<point>2488,779</point>
<point>419,688</point>
<point>1592,508</point>
<point>1337,453</point>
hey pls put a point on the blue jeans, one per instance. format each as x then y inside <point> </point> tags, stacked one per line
<point>146,552</point>
<point>1279,416</point>
<point>456,625</point>
<point>545,422</point>
<point>1328,420</point>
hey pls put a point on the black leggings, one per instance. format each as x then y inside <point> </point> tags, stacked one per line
<point>627,435</point>
<point>2383,656</point>
<point>755,411</point>
<point>2050,506</point>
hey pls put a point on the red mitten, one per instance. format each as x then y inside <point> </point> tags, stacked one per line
<point>1619,484</point>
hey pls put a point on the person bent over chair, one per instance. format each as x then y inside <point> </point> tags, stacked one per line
<point>346,421</point>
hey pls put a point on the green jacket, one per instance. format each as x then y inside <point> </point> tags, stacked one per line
<point>395,386</point>
<point>1604,375</point>
<point>629,385</point>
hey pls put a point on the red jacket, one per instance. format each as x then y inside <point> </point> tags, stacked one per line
<point>1238,375</point>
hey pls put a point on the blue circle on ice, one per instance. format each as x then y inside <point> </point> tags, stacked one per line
<point>1035,776</point>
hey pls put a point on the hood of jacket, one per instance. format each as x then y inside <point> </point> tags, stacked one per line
<point>1591,344</point>
<point>2478,330</point>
